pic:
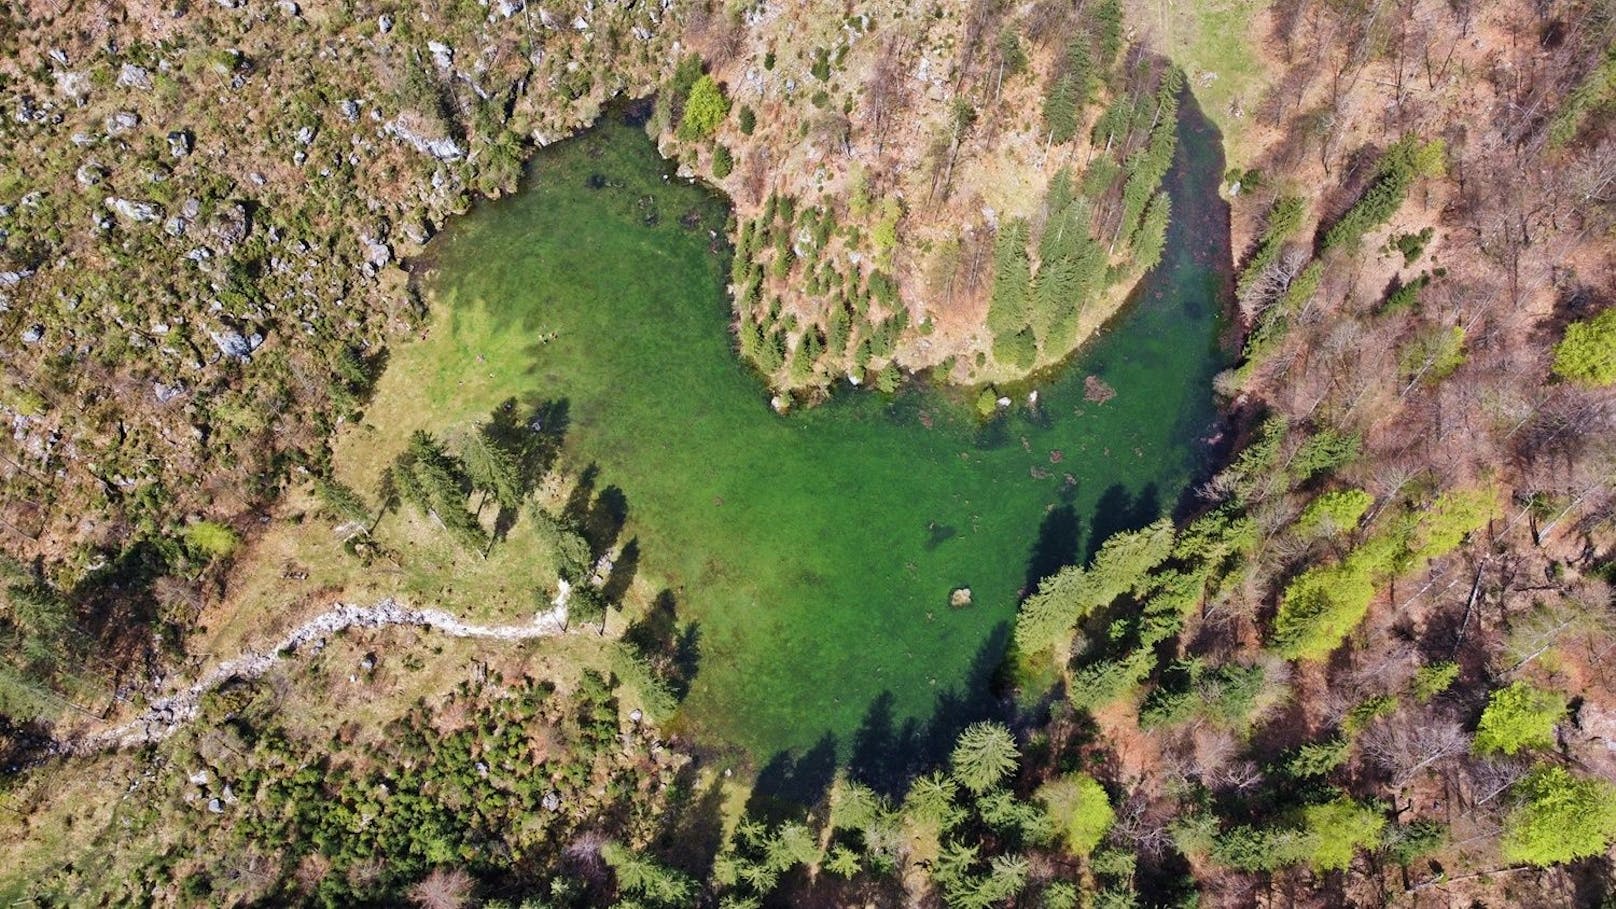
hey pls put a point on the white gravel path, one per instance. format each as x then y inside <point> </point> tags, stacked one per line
<point>166,714</point>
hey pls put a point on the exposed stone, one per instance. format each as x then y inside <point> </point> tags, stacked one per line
<point>384,23</point>
<point>90,174</point>
<point>377,253</point>
<point>165,393</point>
<point>132,76</point>
<point>960,597</point>
<point>305,135</point>
<point>34,334</point>
<point>233,343</point>
<point>134,210</point>
<point>509,8</point>
<point>122,122</point>
<point>230,224</point>
<point>350,110</point>
<point>444,149</point>
<point>180,143</point>
<point>73,84</point>
<point>442,54</point>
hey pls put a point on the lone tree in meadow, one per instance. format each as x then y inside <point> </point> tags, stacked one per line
<point>985,755</point>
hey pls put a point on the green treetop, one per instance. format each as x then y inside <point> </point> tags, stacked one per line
<point>1587,353</point>
<point>704,109</point>
<point>985,755</point>
<point>1517,717</point>
<point>1559,817</point>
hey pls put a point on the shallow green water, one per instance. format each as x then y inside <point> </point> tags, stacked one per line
<point>816,552</point>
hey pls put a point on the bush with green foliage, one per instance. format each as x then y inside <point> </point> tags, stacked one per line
<point>1434,354</point>
<point>1334,512</point>
<point>723,161</point>
<point>1433,679</point>
<point>1412,246</point>
<point>1404,162</point>
<point>211,540</point>
<point>705,109</point>
<point>1519,717</point>
<point>1587,353</point>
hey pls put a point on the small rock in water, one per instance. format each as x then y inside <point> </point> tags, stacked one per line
<point>780,404</point>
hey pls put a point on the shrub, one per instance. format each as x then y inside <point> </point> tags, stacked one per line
<point>1412,246</point>
<point>1403,163</point>
<point>211,539</point>
<point>1434,679</point>
<point>723,162</point>
<point>1587,353</point>
<point>1559,817</point>
<point>1520,716</point>
<point>1435,354</point>
<point>1335,831</point>
<point>705,109</point>
<point>1334,512</point>
<point>1018,349</point>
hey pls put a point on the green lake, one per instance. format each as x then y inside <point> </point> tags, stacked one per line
<point>815,552</point>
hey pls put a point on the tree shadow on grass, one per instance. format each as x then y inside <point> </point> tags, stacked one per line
<point>886,754</point>
<point>1118,510</point>
<point>693,825</point>
<point>791,785</point>
<point>1056,547</point>
<point>672,650</point>
<point>624,568</point>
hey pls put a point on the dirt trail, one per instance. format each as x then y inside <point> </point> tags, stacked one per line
<point>159,720</point>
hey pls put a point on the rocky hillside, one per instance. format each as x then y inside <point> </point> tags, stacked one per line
<point>204,210</point>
